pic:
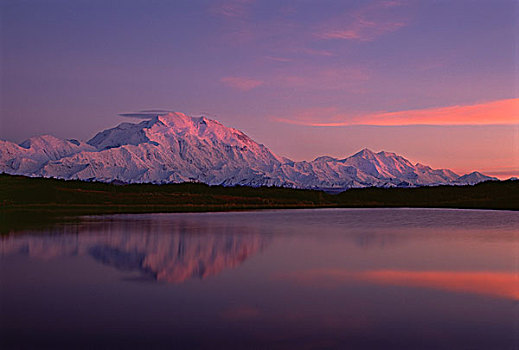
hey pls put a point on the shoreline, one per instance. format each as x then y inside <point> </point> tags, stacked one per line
<point>28,201</point>
<point>15,220</point>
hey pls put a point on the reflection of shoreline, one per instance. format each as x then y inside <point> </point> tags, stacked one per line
<point>161,250</point>
<point>495,284</point>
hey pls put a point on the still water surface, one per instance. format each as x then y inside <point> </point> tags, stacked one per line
<point>316,279</point>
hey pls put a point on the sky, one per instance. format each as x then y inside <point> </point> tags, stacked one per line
<point>435,80</point>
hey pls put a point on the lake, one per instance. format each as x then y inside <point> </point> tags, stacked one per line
<point>286,279</point>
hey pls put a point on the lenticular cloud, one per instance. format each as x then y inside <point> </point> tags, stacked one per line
<point>146,114</point>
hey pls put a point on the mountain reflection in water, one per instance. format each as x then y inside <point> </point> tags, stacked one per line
<point>170,252</point>
<point>287,279</point>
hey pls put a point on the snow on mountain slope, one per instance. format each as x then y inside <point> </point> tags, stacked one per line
<point>474,178</point>
<point>175,147</point>
<point>367,168</point>
<point>124,134</point>
<point>29,156</point>
<point>171,148</point>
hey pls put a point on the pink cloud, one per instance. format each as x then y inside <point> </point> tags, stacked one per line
<point>346,79</point>
<point>241,83</point>
<point>278,59</point>
<point>503,172</point>
<point>501,112</point>
<point>362,30</point>
<point>365,24</point>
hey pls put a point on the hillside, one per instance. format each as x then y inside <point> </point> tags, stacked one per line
<point>24,199</point>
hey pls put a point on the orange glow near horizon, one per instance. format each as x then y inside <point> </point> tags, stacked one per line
<point>496,284</point>
<point>501,112</point>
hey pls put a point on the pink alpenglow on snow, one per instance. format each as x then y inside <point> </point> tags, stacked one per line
<point>174,147</point>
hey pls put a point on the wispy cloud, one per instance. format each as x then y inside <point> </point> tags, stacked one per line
<point>501,112</point>
<point>235,16</point>
<point>324,79</point>
<point>241,83</point>
<point>313,52</point>
<point>365,24</point>
<point>296,53</point>
<point>278,59</point>
<point>232,8</point>
<point>504,172</point>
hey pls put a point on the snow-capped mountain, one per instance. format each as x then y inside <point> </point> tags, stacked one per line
<point>175,148</point>
<point>31,155</point>
<point>473,178</point>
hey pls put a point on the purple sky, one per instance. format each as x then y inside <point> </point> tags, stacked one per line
<point>306,78</point>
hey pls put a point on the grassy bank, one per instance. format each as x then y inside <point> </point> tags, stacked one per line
<point>24,199</point>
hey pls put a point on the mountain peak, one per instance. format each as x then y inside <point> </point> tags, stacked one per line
<point>475,177</point>
<point>40,141</point>
<point>325,159</point>
<point>172,117</point>
<point>475,173</point>
<point>365,152</point>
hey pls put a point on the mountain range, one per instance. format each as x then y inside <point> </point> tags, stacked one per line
<point>175,147</point>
